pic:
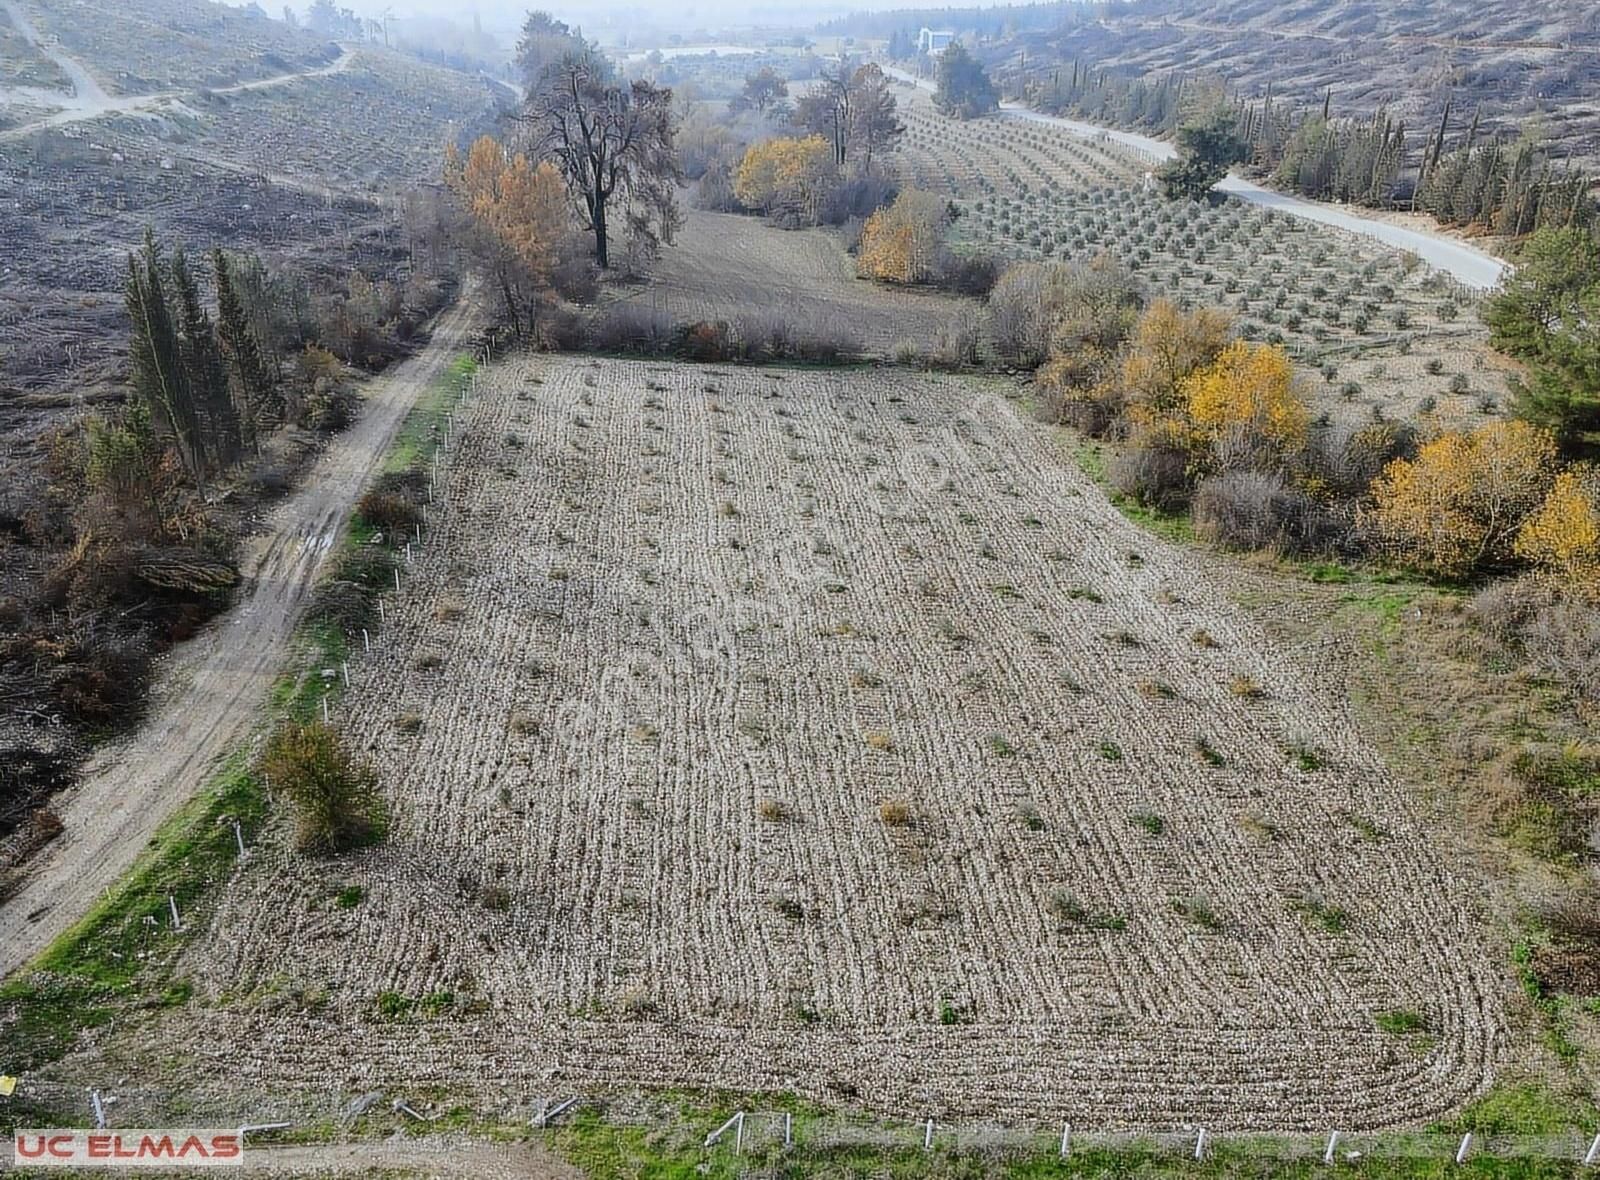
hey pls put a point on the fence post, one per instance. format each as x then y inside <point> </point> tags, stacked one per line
<point>1066,1139</point>
<point>238,835</point>
<point>788,1129</point>
<point>927,1136</point>
<point>1593,1153</point>
<point>172,904</point>
<point>1466,1146</point>
<point>1333,1142</point>
<point>1200,1145</point>
<point>99,1109</point>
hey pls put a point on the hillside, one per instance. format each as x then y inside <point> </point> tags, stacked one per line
<point>1530,61</point>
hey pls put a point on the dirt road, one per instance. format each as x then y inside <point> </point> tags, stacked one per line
<point>89,101</point>
<point>215,685</point>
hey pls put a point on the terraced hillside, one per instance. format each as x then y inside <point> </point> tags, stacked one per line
<point>1520,61</point>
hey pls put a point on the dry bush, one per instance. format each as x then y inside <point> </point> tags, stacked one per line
<point>1560,636</point>
<point>1348,458</point>
<point>335,796</point>
<point>1255,510</point>
<point>631,327</point>
<point>390,511</point>
<point>1151,474</point>
<point>896,813</point>
<point>1036,308</point>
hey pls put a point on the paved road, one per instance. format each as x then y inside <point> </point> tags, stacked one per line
<point>216,684</point>
<point>1472,267</point>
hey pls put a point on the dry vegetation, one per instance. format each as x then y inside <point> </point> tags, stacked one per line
<point>728,267</point>
<point>735,725</point>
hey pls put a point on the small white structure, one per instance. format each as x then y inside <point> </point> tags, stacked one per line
<point>933,42</point>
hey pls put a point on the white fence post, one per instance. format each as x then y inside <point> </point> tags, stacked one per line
<point>99,1109</point>
<point>736,1121</point>
<point>1333,1143</point>
<point>1066,1139</point>
<point>1593,1153</point>
<point>1466,1146</point>
<point>238,835</point>
<point>1200,1145</point>
<point>172,904</point>
<point>927,1136</point>
<point>788,1129</point>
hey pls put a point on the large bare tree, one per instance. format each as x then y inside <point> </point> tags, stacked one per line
<point>612,143</point>
<point>853,109</point>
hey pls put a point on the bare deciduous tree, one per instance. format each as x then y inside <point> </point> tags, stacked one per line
<point>613,145</point>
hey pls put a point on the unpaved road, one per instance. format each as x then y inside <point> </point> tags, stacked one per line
<point>1472,267</point>
<point>90,101</point>
<point>216,684</point>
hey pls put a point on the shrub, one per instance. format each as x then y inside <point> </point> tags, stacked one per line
<point>1254,510</point>
<point>334,795</point>
<point>1461,503</point>
<point>1035,307</point>
<point>1151,474</point>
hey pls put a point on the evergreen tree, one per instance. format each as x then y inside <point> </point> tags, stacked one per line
<point>205,373</point>
<point>257,397</point>
<point>159,376</point>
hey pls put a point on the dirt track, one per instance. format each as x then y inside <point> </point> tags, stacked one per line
<point>214,685</point>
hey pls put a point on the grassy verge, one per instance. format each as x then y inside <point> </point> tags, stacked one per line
<point>672,1148</point>
<point>1090,457</point>
<point>118,959</point>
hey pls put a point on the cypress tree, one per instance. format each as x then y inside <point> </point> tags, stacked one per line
<point>202,362</point>
<point>260,406</point>
<point>159,378</point>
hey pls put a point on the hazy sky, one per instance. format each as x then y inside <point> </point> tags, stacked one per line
<point>504,15</point>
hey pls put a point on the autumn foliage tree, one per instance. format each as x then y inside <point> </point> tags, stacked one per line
<point>904,242</point>
<point>1244,408</point>
<point>786,178</point>
<point>518,212</point>
<point>1463,503</point>
<point>1561,539</point>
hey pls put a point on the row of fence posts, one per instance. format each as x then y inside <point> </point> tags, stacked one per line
<point>484,357</point>
<point>1591,1158</point>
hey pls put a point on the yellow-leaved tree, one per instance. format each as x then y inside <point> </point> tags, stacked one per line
<point>520,220</point>
<point>1248,390</point>
<point>1562,538</point>
<point>1169,345</point>
<point>1463,502</point>
<point>902,243</point>
<point>787,178</point>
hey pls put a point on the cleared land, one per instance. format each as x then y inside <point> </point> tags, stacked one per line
<point>828,731</point>
<point>724,267</point>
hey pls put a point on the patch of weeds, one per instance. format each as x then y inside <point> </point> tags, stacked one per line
<point>1149,821</point>
<point>1156,690</point>
<point>952,1013</point>
<point>1110,751</point>
<point>1006,592</point>
<point>1207,753</point>
<point>1203,638</point>
<point>1197,909</point>
<point>789,908</point>
<point>349,897</point>
<point>1001,747</point>
<point>1332,918</point>
<point>1366,829</point>
<point>1031,819</point>
<point>774,811</point>
<point>394,1006</point>
<point>1084,594</point>
<point>1400,1022</point>
<point>877,739</point>
<point>1304,755</point>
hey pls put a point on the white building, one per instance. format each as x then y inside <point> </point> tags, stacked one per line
<point>933,42</point>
